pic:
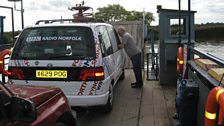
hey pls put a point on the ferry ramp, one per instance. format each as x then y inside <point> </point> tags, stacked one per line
<point>152,105</point>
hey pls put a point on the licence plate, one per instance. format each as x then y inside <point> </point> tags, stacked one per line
<point>51,73</point>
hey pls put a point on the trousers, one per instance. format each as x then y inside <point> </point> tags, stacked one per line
<point>136,62</point>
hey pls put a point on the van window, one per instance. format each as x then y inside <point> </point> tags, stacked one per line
<point>113,37</point>
<point>104,40</point>
<point>60,43</point>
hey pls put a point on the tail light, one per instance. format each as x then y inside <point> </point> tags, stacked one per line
<point>92,74</point>
<point>16,73</point>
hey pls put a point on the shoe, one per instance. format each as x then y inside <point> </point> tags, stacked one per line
<point>133,83</point>
<point>176,116</point>
<point>136,85</point>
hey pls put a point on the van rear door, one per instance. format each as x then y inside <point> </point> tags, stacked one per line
<point>52,53</point>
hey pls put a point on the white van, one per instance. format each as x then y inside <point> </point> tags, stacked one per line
<point>82,59</point>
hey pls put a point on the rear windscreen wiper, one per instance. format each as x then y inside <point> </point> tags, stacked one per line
<point>67,56</point>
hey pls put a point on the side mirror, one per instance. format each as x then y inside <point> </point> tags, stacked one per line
<point>102,44</point>
<point>100,38</point>
<point>16,37</point>
<point>22,110</point>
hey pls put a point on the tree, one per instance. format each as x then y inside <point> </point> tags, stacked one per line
<point>135,15</point>
<point>118,13</point>
<point>111,13</point>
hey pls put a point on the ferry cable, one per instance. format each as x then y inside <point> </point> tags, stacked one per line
<point>166,105</point>
<point>220,82</point>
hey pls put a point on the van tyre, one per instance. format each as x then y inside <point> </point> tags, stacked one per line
<point>109,106</point>
<point>122,77</point>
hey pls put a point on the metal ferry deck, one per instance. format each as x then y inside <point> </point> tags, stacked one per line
<point>152,105</point>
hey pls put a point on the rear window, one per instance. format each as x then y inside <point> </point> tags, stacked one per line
<point>56,43</point>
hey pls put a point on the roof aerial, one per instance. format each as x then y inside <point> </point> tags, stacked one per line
<point>80,16</point>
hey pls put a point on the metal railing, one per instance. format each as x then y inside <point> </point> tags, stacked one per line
<point>208,80</point>
<point>6,46</point>
<point>153,71</point>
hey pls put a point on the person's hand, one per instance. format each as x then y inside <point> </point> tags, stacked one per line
<point>120,46</point>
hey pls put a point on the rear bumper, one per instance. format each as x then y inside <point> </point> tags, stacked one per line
<point>87,101</point>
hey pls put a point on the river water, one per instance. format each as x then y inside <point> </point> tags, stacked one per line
<point>216,49</point>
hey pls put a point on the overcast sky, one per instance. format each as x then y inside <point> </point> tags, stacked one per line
<point>207,10</point>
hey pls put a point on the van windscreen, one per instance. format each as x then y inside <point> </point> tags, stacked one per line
<point>55,43</point>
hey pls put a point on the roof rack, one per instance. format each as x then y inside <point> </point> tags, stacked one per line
<point>77,17</point>
<point>53,21</point>
<point>68,20</point>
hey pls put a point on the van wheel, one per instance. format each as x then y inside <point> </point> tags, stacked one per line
<point>122,77</point>
<point>109,106</point>
<point>60,124</point>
